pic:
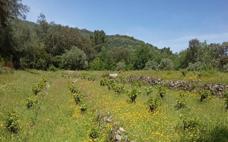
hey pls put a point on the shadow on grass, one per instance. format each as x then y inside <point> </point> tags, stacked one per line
<point>219,134</point>
<point>32,71</point>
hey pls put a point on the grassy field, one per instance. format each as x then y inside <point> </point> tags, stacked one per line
<point>55,116</point>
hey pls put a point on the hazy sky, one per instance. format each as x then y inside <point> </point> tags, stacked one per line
<point>170,23</point>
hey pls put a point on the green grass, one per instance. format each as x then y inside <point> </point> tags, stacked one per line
<point>58,118</point>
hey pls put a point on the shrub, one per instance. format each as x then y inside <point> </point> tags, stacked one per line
<point>180,102</point>
<point>103,82</point>
<point>120,66</point>
<point>110,84</point>
<point>189,124</point>
<point>161,91</point>
<point>94,133</point>
<point>1,65</point>
<point>36,90</point>
<point>118,88</point>
<point>148,91</point>
<point>204,95</point>
<point>77,98</point>
<point>133,95</point>
<point>225,67</point>
<point>73,89</point>
<point>166,64</point>
<point>31,101</point>
<point>226,103</point>
<point>52,68</point>
<point>190,129</point>
<point>197,66</point>
<point>74,59</point>
<point>39,87</point>
<point>153,103</point>
<point>83,107</point>
<point>226,100</point>
<point>184,72</point>
<point>12,123</point>
<point>96,64</point>
<point>151,65</point>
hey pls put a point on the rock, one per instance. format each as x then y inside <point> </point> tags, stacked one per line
<point>216,89</point>
<point>118,138</point>
<point>74,81</point>
<point>122,129</point>
<point>108,119</point>
<point>113,75</point>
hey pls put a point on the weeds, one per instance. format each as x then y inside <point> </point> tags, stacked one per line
<point>31,101</point>
<point>180,102</point>
<point>153,103</point>
<point>83,108</point>
<point>204,94</point>
<point>94,134</point>
<point>133,95</point>
<point>161,91</point>
<point>12,123</point>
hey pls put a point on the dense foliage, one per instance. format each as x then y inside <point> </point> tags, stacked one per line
<point>44,45</point>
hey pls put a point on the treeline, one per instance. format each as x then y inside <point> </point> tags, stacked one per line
<point>48,46</point>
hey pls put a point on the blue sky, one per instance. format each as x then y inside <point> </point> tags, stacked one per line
<point>170,23</point>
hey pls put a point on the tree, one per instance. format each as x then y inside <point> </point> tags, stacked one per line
<point>192,52</point>
<point>166,64</point>
<point>142,55</point>
<point>43,27</point>
<point>120,66</point>
<point>96,64</point>
<point>151,65</point>
<point>9,10</point>
<point>99,37</point>
<point>30,51</point>
<point>74,59</point>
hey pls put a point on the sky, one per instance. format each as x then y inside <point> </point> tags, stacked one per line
<point>163,23</point>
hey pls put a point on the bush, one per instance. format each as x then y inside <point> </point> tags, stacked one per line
<point>77,98</point>
<point>161,91</point>
<point>1,65</point>
<point>118,88</point>
<point>190,129</point>
<point>148,91</point>
<point>31,101</point>
<point>1,69</point>
<point>180,102</point>
<point>52,68</point>
<point>189,124</point>
<point>151,65</point>
<point>83,107</point>
<point>153,103</point>
<point>96,64</point>
<point>103,82</point>
<point>197,66</point>
<point>73,89</point>
<point>74,59</point>
<point>133,95</point>
<point>226,100</point>
<point>94,134</point>
<point>204,95</point>
<point>120,66</point>
<point>36,89</point>
<point>225,67</point>
<point>184,72</point>
<point>12,123</point>
<point>166,64</point>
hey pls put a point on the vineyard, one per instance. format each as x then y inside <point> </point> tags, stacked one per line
<point>132,106</point>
